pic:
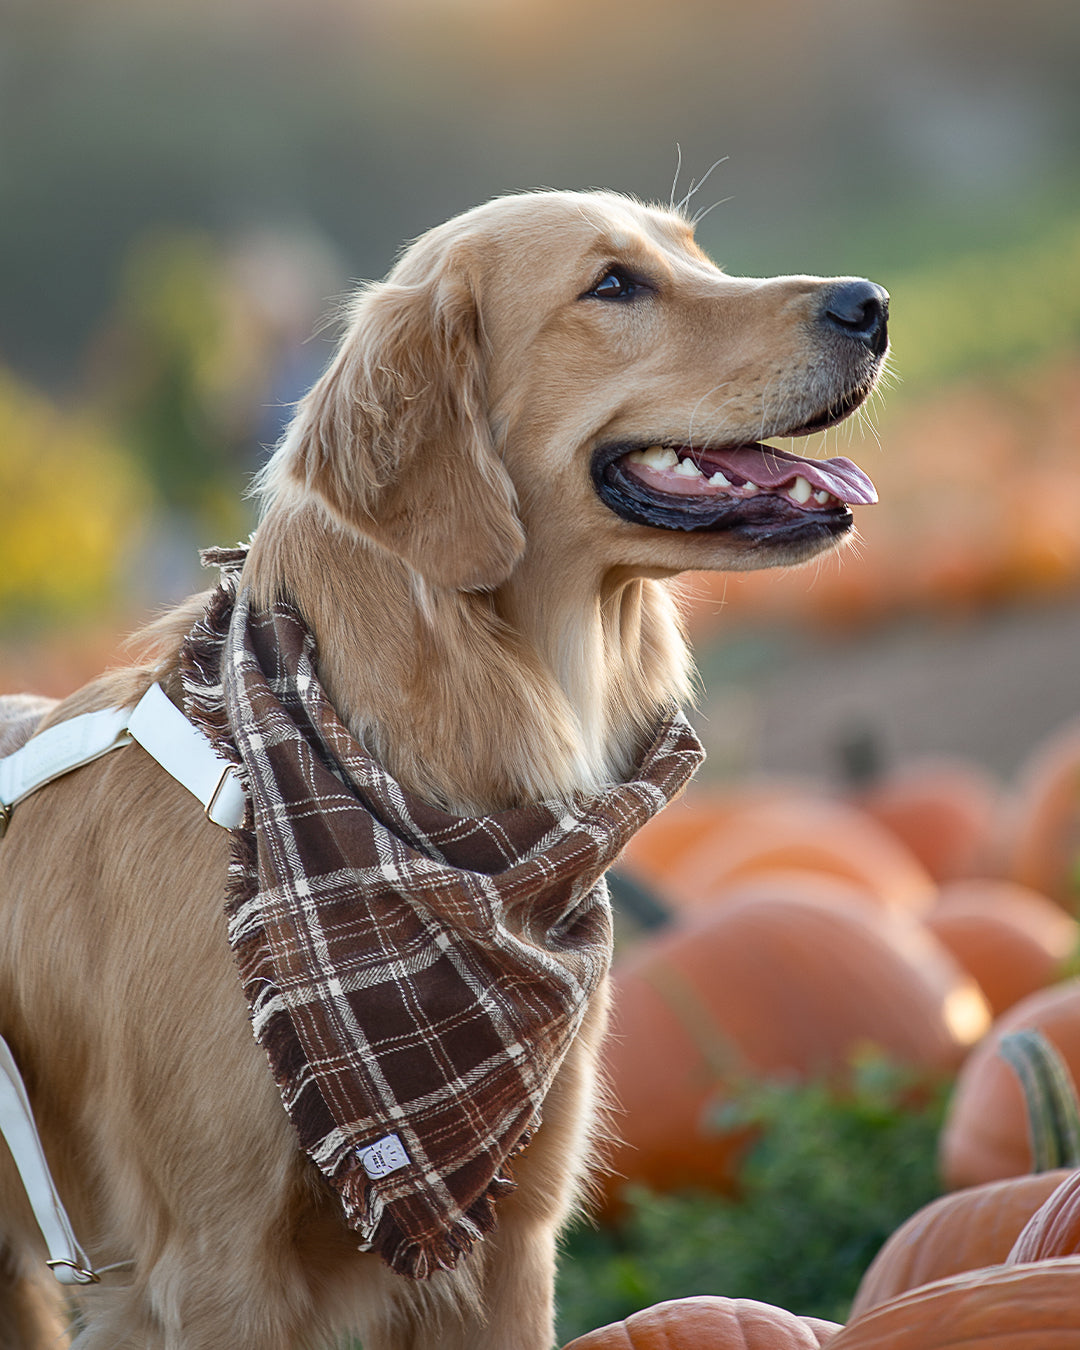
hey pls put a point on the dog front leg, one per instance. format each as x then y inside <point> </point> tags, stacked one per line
<point>519,1257</point>
<point>519,1292</point>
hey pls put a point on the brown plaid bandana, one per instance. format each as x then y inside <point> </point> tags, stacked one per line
<point>415,977</point>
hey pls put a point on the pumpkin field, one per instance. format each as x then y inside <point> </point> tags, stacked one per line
<point>815,1116</point>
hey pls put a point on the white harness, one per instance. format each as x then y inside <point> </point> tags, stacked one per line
<point>182,750</point>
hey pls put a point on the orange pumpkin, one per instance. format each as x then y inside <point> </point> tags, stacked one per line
<point>986,1135</point>
<point>710,1323</point>
<point>1012,940</point>
<point>1045,823</point>
<point>660,844</point>
<point>946,811</point>
<point>1001,1308</point>
<point>1054,1228</point>
<point>961,1231</point>
<point>775,981</point>
<point>801,833</point>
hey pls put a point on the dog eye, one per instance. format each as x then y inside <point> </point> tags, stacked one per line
<point>615,285</point>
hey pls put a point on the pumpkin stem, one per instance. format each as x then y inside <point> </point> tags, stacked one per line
<point>1050,1097</point>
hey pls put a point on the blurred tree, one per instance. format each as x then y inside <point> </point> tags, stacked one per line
<point>73,504</point>
<point>196,367</point>
<point>165,372</point>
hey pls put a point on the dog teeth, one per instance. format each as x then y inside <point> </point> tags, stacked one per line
<point>655,457</point>
<point>660,457</point>
<point>800,490</point>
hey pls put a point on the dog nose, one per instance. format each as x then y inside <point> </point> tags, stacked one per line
<point>860,309</point>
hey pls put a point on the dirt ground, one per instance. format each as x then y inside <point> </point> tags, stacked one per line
<point>986,687</point>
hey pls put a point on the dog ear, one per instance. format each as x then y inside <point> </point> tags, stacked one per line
<point>395,437</point>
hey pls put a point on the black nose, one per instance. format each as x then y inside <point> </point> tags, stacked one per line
<point>860,310</point>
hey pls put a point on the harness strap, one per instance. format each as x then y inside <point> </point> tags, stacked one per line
<point>183,751</point>
<point>56,751</point>
<point>157,724</point>
<point>67,1259</point>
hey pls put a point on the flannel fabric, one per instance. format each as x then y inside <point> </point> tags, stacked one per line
<point>415,977</point>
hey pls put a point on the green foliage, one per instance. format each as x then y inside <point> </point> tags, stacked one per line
<point>833,1173</point>
<point>990,311</point>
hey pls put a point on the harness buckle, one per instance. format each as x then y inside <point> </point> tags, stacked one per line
<point>5,818</point>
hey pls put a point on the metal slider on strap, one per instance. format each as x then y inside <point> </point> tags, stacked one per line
<point>68,1272</point>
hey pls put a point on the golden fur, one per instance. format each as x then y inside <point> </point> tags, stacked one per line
<point>494,633</point>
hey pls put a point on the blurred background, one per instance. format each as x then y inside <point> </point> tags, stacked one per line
<point>187,187</point>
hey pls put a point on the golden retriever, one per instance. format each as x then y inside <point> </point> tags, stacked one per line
<point>549,409</point>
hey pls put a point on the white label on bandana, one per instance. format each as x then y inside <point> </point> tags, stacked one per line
<point>388,1155</point>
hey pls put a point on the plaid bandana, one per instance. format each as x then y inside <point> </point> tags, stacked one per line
<point>415,978</point>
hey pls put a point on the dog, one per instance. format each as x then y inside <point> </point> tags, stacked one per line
<point>549,410</point>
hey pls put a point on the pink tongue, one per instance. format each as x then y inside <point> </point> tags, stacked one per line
<point>770,468</point>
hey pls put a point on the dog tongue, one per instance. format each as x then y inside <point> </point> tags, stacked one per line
<point>770,468</point>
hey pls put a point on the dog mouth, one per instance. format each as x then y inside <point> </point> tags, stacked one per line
<point>754,490</point>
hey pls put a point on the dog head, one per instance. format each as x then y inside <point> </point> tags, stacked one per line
<point>571,369</point>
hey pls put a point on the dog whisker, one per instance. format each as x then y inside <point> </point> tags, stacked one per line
<point>675,180</point>
<point>695,187</point>
<point>694,411</point>
<point>699,216</point>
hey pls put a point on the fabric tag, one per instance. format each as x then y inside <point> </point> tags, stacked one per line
<point>384,1157</point>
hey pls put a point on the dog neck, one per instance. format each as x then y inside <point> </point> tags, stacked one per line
<point>477,702</point>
